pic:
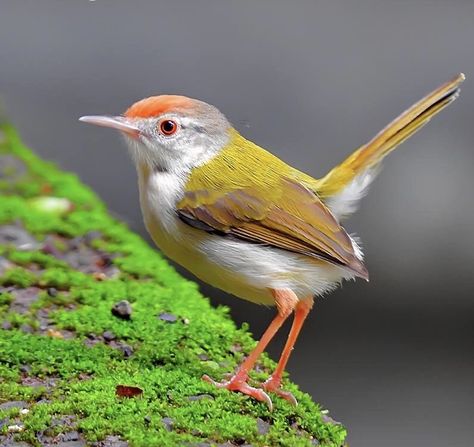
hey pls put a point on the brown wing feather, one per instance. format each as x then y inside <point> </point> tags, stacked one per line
<point>299,223</point>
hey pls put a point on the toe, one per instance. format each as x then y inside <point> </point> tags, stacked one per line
<point>273,385</point>
<point>208,379</point>
<point>237,384</point>
<point>256,393</point>
<point>287,396</point>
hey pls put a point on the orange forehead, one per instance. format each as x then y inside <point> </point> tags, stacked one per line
<point>157,105</point>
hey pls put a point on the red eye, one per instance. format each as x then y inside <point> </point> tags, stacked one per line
<point>168,127</point>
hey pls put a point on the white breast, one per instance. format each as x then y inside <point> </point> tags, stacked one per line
<point>243,269</point>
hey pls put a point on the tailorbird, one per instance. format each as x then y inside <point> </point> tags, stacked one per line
<point>244,221</point>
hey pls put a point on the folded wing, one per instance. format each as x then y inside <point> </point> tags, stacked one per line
<point>289,217</point>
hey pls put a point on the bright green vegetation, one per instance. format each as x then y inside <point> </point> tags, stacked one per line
<point>63,353</point>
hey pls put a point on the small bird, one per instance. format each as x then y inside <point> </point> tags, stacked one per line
<point>244,221</point>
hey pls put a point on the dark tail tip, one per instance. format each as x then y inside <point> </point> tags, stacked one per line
<point>358,267</point>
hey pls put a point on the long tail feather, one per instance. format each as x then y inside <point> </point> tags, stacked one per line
<point>367,157</point>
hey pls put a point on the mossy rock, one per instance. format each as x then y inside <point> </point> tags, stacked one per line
<point>64,264</point>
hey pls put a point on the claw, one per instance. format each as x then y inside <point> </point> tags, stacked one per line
<point>238,384</point>
<point>274,386</point>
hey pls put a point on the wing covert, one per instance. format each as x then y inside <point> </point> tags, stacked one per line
<point>290,217</point>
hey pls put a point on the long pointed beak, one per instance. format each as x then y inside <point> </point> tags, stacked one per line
<point>114,122</point>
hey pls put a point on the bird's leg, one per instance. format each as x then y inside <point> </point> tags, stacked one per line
<point>273,383</point>
<point>285,300</point>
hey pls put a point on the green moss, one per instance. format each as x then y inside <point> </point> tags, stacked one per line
<point>18,277</point>
<point>78,375</point>
<point>24,258</point>
<point>63,279</point>
<point>5,298</point>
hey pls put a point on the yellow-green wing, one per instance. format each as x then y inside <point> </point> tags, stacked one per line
<point>289,217</point>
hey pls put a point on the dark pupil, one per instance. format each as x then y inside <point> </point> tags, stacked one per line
<point>168,126</point>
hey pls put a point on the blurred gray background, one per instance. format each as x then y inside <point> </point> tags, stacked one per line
<point>311,80</point>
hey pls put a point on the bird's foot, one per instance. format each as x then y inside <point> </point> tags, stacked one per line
<point>239,383</point>
<point>273,385</point>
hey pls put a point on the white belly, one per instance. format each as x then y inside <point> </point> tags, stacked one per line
<point>244,269</point>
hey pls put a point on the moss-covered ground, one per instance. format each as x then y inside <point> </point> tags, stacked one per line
<point>64,263</point>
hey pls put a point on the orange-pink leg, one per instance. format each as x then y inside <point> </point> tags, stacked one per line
<point>286,301</point>
<point>273,383</point>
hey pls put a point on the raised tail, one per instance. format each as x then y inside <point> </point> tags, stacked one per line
<point>347,183</point>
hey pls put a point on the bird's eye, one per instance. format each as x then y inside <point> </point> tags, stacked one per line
<point>168,127</point>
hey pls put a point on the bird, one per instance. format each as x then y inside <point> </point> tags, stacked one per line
<point>246,222</point>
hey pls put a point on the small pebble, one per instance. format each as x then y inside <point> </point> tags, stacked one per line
<point>24,411</point>
<point>52,292</point>
<point>3,423</point>
<point>15,428</point>
<point>168,423</point>
<point>25,369</point>
<point>170,318</point>
<point>5,264</point>
<point>109,336</point>
<point>18,237</point>
<point>70,436</point>
<point>200,397</point>
<point>11,167</point>
<point>262,426</point>
<point>113,441</point>
<point>235,348</point>
<point>62,420</point>
<point>328,419</point>
<point>6,325</point>
<point>16,444</point>
<point>54,333</point>
<point>43,402</point>
<point>13,404</point>
<point>127,350</point>
<point>26,328</point>
<point>78,443</point>
<point>122,310</point>
<point>104,261</point>
<point>99,276</point>
<point>91,236</point>
<point>23,299</point>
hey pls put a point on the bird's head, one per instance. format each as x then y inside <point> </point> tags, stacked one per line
<point>169,132</point>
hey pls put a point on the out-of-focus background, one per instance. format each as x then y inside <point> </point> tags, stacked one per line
<point>311,80</point>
